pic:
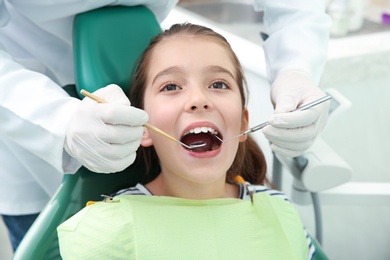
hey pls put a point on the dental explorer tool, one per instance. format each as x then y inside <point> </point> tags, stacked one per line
<point>147,125</point>
<point>262,125</point>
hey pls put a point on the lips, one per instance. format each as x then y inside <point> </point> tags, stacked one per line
<point>204,134</point>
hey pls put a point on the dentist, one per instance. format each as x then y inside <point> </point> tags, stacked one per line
<point>295,52</point>
<point>44,132</point>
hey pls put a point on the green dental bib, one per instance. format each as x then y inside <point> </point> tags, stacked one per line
<point>152,227</point>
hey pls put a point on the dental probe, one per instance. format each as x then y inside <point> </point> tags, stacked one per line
<point>262,125</point>
<point>147,125</point>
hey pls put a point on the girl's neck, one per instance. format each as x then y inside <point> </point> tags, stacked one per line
<point>162,186</point>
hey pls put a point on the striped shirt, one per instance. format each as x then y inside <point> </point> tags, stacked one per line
<point>244,194</point>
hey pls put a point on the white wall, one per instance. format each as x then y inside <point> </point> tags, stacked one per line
<point>361,137</point>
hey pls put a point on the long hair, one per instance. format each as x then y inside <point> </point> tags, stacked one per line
<point>249,162</point>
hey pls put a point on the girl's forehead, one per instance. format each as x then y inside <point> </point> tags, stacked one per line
<point>188,50</point>
<point>191,40</point>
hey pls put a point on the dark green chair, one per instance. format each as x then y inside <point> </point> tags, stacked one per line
<point>107,43</point>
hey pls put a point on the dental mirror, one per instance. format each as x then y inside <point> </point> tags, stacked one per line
<point>191,146</point>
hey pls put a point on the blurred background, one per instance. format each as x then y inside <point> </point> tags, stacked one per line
<point>354,214</point>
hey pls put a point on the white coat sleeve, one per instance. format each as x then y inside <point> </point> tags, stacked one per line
<point>34,113</point>
<point>4,16</point>
<point>34,110</point>
<point>298,36</point>
<point>160,8</point>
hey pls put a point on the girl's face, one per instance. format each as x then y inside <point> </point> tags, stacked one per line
<point>191,93</point>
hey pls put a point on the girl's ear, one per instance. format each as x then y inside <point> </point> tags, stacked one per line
<point>146,141</point>
<point>244,124</point>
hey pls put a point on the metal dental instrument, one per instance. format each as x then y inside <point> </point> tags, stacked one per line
<point>147,125</point>
<point>262,125</point>
<point>191,146</point>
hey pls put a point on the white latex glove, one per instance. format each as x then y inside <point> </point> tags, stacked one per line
<point>291,134</point>
<point>104,137</point>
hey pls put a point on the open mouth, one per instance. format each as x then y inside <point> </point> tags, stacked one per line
<point>202,135</point>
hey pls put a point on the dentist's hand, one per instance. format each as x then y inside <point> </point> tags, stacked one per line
<point>104,137</point>
<point>291,134</point>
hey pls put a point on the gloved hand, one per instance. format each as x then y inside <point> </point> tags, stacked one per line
<point>104,137</point>
<point>291,134</point>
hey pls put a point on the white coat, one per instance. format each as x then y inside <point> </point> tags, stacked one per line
<point>299,33</point>
<point>35,60</point>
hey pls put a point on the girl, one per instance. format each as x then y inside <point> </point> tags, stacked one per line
<point>194,204</point>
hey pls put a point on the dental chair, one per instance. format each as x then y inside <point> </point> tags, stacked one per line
<point>107,43</point>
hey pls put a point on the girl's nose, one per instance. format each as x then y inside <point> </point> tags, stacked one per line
<point>198,101</point>
<point>194,107</point>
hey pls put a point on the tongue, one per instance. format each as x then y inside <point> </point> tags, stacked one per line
<point>199,138</point>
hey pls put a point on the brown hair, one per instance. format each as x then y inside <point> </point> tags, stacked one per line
<point>249,162</point>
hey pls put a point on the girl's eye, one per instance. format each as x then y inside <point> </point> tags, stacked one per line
<point>170,87</point>
<point>219,85</point>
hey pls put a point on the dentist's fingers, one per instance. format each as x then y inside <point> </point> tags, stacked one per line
<point>104,137</point>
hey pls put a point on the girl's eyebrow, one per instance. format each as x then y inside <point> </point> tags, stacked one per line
<point>176,69</point>
<point>169,70</point>
<point>218,69</point>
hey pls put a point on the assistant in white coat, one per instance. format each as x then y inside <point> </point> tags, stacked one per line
<point>36,60</point>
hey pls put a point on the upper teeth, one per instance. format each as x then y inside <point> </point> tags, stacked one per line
<point>203,129</point>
